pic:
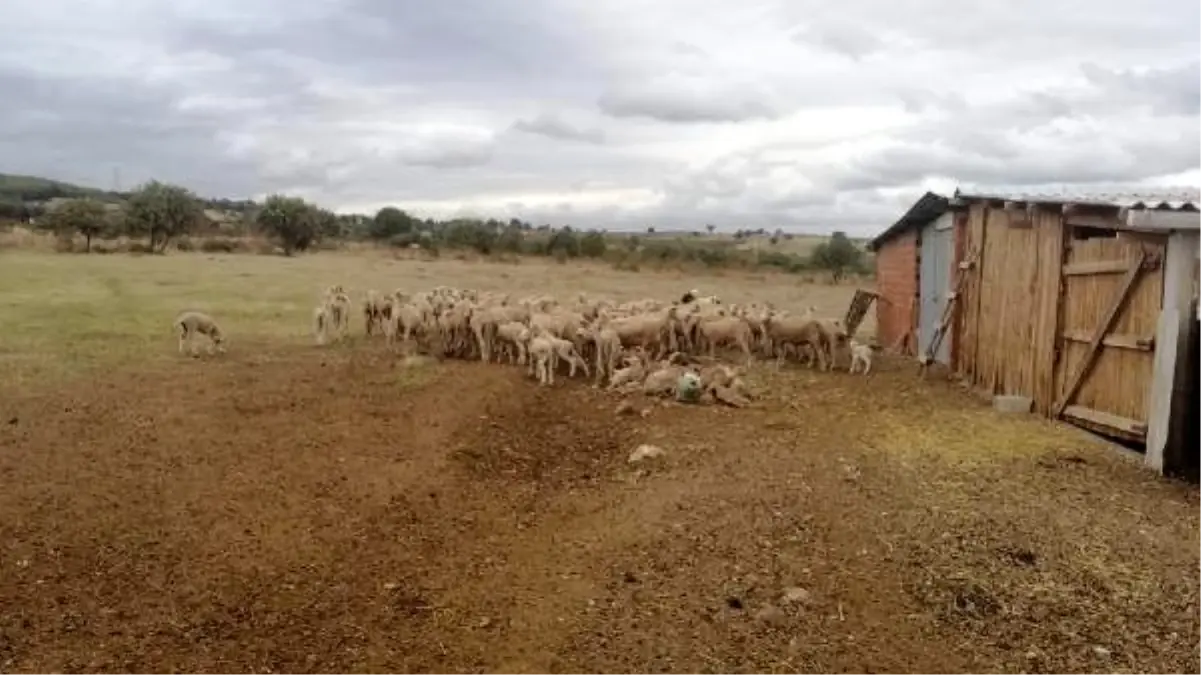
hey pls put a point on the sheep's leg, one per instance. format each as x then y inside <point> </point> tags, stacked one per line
<point>182,334</point>
<point>867,366</point>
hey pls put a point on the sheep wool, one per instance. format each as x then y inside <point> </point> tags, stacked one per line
<point>688,388</point>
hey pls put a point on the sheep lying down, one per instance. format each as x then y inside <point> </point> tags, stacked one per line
<point>188,325</point>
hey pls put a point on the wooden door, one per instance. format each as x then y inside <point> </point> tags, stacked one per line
<point>1113,292</point>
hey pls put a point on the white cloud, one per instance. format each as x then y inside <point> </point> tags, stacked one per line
<point>792,113</point>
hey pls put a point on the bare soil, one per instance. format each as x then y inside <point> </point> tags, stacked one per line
<point>301,510</point>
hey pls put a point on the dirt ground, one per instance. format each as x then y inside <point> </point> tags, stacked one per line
<point>294,509</point>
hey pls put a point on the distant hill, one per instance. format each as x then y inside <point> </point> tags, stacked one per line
<point>21,194</point>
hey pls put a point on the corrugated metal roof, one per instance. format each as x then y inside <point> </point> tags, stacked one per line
<point>1173,199</point>
<point>924,210</point>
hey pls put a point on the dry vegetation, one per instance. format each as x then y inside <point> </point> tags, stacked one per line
<point>288,507</point>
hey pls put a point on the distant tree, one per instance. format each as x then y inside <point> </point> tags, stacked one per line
<point>838,254</point>
<point>592,244</point>
<point>85,216</point>
<point>564,242</point>
<point>389,222</point>
<point>650,229</point>
<point>289,220</point>
<point>326,224</point>
<point>710,228</point>
<point>161,212</point>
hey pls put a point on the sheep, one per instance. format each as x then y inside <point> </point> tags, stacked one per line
<point>514,337</point>
<point>376,310</point>
<point>189,324</point>
<point>861,357</point>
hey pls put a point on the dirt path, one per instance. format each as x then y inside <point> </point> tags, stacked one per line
<point>338,511</point>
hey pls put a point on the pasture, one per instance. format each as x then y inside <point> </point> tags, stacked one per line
<point>300,508</point>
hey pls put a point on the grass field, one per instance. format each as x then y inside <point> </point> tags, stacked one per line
<point>68,312</point>
<point>288,507</point>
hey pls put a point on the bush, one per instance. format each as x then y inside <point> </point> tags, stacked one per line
<point>220,245</point>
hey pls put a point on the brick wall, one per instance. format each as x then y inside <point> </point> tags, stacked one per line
<point>896,281</point>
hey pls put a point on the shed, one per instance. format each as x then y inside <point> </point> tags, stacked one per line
<point>897,278</point>
<point>1085,304</point>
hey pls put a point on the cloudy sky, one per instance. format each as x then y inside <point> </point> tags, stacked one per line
<point>803,114</point>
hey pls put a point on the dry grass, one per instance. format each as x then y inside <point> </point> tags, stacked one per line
<point>64,313</point>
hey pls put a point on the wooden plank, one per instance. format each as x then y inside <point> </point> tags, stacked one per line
<point>1142,344</point>
<point>1124,425</point>
<point>1103,328</point>
<point>1096,267</point>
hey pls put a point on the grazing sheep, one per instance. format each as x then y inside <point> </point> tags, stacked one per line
<point>190,324</point>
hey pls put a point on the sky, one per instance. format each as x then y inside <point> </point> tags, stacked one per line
<point>796,114</point>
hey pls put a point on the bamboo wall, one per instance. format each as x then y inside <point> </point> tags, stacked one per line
<point>1009,304</point>
<point>1120,380</point>
<point>1016,306</point>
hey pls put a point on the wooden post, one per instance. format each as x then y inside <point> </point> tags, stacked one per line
<point>1182,251</point>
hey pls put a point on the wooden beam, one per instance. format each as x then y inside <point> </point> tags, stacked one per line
<point>1102,329</point>
<point>1094,220</point>
<point>1142,344</point>
<point>1107,266</point>
<point>1124,425</point>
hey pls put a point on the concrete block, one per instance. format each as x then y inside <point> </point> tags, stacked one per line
<point>1012,404</point>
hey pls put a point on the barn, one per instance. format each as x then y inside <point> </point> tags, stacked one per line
<point>1084,304</point>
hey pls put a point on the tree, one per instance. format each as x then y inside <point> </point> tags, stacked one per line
<point>592,244</point>
<point>838,255</point>
<point>85,216</point>
<point>710,228</point>
<point>290,220</point>
<point>389,222</point>
<point>162,212</point>
<point>650,229</point>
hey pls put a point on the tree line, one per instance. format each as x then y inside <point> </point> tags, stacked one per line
<point>161,213</point>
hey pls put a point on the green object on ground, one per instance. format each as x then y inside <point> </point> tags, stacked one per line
<point>688,388</point>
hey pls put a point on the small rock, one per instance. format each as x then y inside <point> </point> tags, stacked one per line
<point>796,596</point>
<point>485,622</point>
<point>13,420</point>
<point>645,452</point>
<point>1102,652</point>
<point>733,602</point>
<point>771,615</point>
<point>391,586</point>
<point>625,408</point>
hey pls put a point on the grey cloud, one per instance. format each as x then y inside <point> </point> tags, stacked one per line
<point>850,40</point>
<point>81,129</point>
<point>676,98</point>
<point>553,126</point>
<point>1168,91</point>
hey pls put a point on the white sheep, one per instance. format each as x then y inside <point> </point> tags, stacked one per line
<point>189,324</point>
<point>861,357</point>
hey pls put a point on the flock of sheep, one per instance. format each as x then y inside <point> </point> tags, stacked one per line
<point>644,345</point>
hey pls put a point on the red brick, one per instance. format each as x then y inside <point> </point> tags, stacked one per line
<point>896,281</point>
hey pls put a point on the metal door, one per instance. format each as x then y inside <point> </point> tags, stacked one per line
<point>934,285</point>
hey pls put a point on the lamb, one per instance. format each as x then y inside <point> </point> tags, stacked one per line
<point>861,357</point>
<point>189,324</point>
